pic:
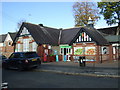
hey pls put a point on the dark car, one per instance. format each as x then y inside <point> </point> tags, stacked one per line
<point>3,57</point>
<point>22,60</point>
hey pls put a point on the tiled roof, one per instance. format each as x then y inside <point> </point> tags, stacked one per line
<point>42,34</point>
<point>70,35</point>
<point>109,30</point>
<point>96,36</point>
<point>2,38</point>
<point>12,34</point>
<point>52,36</point>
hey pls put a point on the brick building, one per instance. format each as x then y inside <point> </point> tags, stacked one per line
<point>6,47</point>
<point>51,43</point>
<point>112,34</point>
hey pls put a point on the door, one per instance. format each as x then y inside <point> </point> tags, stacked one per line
<point>13,60</point>
<point>66,53</point>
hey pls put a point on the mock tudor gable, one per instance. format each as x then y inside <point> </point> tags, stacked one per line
<point>41,34</point>
<point>72,35</point>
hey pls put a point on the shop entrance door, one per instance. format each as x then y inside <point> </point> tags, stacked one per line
<point>66,53</point>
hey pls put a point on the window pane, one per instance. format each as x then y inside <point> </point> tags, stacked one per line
<point>34,46</point>
<point>25,44</point>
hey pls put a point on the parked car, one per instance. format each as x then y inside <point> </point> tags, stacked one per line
<point>3,57</point>
<point>22,60</point>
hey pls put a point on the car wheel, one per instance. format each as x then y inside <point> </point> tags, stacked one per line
<point>5,66</point>
<point>20,68</point>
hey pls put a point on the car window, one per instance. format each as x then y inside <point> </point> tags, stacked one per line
<point>22,56</point>
<point>15,55</point>
<point>30,55</point>
<point>3,57</point>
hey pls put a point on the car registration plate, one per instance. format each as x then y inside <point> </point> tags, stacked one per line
<point>34,59</point>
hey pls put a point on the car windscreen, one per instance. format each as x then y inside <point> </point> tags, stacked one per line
<point>30,55</point>
<point>3,57</point>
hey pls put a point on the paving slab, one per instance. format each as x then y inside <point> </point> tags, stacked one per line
<point>107,69</point>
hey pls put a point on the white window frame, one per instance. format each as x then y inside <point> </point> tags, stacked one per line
<point>24,31</point>
<point>26,44</point>
<point>34,46</point>
<point>9,43</point>
<point>18,47</point>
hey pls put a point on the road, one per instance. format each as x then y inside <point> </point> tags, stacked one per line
<point>35,79</point>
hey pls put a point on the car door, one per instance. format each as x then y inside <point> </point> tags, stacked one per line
<point>14,59</point>
<point>10,60</point>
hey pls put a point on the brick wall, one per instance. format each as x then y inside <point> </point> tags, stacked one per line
<point>7,50</point>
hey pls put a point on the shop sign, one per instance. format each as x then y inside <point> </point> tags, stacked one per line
<point>65,46</point>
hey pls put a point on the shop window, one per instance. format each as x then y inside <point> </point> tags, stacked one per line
<point>114,50</point>
<point>105,50</point>
<point>66,51</point>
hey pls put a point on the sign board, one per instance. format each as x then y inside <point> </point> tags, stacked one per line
<point>84,50</point>
<point>89,60</point>
<point>65,46</point>
<point>78,51</point>
<point>90,51</point>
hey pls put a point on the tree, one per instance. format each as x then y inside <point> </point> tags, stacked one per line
<point>82,11</point>
<point>19,24</point>
<point>111,13</point>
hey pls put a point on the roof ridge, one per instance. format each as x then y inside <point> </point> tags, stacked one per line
<point>73,28</point>
<point>108,27</point>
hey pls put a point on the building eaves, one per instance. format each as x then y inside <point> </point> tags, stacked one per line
<point>12,34</point>
<point>96,36</point>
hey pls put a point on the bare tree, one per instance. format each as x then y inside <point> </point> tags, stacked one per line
<point>19,24</point>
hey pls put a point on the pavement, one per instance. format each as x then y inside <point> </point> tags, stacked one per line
<point>105,69</point>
